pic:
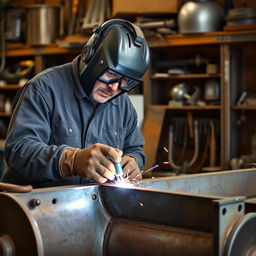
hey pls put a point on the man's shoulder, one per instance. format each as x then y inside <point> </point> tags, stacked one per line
<point>122,99</point>
<point>56,72</point>
<point>52,79</point>
<point>124,103</point>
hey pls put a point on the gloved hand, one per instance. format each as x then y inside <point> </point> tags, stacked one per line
<point>130,168</point>
<point>96,162</point>
<point>7,187</point>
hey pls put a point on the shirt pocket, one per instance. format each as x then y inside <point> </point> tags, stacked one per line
<point>115,137</point>
<point>65,132</point>
<point>66,129</point>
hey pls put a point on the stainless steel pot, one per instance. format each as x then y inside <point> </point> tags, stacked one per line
<point>199,16</point>
<point>241,16</point>
<point>42,24</point>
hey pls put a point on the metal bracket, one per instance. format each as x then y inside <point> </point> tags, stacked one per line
<point>227,213</point>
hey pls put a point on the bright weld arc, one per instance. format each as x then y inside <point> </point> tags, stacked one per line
<point>122,181</point>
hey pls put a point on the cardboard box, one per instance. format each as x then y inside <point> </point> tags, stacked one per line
<point>140,7</point>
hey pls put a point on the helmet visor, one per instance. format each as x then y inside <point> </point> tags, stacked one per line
<point>124,83</point>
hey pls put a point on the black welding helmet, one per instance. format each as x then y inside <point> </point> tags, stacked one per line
<point>116,46</point>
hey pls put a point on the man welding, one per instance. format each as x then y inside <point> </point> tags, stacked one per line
<point>72,123</point>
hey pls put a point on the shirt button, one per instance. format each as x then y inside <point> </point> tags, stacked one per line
<point>70,130</point>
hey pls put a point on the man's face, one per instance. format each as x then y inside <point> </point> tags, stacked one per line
<point>102,91</point>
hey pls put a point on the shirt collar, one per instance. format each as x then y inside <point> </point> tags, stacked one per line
<point>79,91</point>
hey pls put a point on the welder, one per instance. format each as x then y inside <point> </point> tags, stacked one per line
<point>72,123</point>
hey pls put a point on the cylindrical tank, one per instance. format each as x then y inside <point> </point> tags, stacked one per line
<point>42,24</point>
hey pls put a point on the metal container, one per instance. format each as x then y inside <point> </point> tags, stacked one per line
<point>42,24</point>
<point>14,25</point>
<point>241,16</point>
<point>199,16</point>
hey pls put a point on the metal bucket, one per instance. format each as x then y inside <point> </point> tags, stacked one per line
<point>42,24</point>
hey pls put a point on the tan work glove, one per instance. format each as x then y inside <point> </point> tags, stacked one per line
<point>130,168</point>
<point>96,162</point>
<point>7,187</point>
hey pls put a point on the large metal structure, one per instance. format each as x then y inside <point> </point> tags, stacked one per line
<point>201,214</point>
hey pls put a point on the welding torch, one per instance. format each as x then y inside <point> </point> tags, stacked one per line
<point>119,170</point>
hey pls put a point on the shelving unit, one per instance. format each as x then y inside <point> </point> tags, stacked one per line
<point>186,76</point>
<point>165,107</point>
<point>235,53</point>
<point>40,53</point>
<point>43,56</point>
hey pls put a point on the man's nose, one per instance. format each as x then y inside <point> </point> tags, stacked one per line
<point>114,86</point>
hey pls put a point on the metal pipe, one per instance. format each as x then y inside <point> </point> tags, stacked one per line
<point>131,238</point>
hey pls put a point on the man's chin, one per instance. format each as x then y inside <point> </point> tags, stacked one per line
<point>101,99</point>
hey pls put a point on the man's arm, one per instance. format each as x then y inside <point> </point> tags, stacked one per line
<point>26,150</point>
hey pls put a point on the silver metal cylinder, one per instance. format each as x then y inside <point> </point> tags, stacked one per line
<point>42,24</point>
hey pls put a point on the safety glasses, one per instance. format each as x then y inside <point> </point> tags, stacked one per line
<point>124,83</point>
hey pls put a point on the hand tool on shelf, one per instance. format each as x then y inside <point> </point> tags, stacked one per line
<point>98,11</point>
<point>212,145</point>
<point>73,17</point>
<point>171,148</point>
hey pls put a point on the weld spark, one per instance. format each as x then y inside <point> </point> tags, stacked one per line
<point>150,169</point>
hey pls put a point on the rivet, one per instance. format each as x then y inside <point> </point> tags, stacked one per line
<point>70,130</point>
<point>35,202</point>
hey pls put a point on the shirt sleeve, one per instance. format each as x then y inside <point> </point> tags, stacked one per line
<point>26,152</point>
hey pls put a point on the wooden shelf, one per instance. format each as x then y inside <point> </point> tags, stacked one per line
<point>203,38</point>
<point>18,50</point>
<point>208,107</point>
<point>244,107</point>
<point>184,76</point>
<point>10,87</point>
<point>4,114</point>
<point>2,143</point>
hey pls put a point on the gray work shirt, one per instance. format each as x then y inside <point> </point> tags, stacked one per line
<point>52,113</point>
